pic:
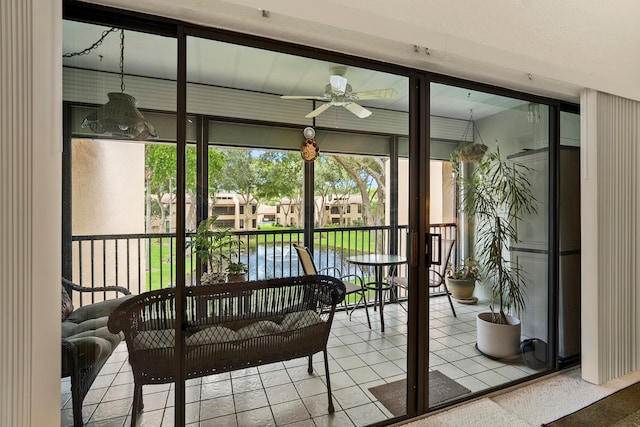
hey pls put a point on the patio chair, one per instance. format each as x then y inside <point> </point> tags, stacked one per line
<point>436,275</point>
<point>352,282</point>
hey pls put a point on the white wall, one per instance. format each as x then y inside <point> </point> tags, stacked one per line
<point>564,46</point>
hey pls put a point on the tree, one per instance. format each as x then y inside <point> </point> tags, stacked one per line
<point>281,174</point>
<point>242,175</point>
<point>161,163</point>
<point>331,181</point>
<point>368,175</point>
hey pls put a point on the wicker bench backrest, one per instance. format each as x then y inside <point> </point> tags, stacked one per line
<point>228,326</point>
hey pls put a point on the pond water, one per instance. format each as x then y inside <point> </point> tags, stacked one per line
<point>267,261</point>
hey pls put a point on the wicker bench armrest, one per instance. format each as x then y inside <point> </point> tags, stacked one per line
<point>79,288</point>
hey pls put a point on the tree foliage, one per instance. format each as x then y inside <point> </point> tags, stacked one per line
<point>161,162</point>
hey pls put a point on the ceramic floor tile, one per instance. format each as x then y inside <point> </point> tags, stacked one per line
<point>366,414</point>
<point>469,366</point>
<point>282,393</point>
<point>350,362</point>
<point>472,383</point>
<point>257,417</point>
<point>273,378</point>
<point>246,383</point>
<point>319,404</point>
<point>338,419</point>
<point>359,358</point>
<point>351,397</point>
<point>340,380</point>
<point>215,389</point>
<point>387,369</point>
<point>250,400</point>
<point>112,409</point>
<point>119,392</point>
<point>289,412</point>
<point>226,421</point>
<point>155,401</point>
<point>310,387</point>
<point>372,357</point>
<point>218,407</point>
<point>363,375</point>
<point>492,378</point>
<point>147,418</point>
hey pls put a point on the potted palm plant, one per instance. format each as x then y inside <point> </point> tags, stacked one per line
<point>496,194</point>
<point>215,248</point>
<point>461,280</point>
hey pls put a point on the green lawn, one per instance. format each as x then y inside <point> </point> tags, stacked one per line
<point>163,259</point>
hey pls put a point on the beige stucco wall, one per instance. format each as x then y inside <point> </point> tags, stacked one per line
<point>107,198</point>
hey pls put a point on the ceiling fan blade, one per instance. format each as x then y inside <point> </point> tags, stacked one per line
<point>318,110</point>
<point>302,97</point>
<point>338,84</point>
<point>375,94</point>
<point>357,109</point>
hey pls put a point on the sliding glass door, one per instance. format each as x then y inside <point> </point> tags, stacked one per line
<point>495,151</point>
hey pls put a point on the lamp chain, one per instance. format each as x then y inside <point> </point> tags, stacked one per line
<point>105,33</point>
<point>122,60</point>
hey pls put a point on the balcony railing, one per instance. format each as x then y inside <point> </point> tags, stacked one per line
<point>143,262</point>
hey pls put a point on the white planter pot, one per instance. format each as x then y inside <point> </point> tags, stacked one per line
<point>496,340</point>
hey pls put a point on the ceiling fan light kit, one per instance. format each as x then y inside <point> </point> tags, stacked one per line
<point>339,93</point>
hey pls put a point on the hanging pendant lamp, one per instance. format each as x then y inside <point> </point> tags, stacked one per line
<point>119,116</point>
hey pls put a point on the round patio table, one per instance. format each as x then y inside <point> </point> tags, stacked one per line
<point>378,262</point>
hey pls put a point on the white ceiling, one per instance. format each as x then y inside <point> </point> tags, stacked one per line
<point>238,67</point>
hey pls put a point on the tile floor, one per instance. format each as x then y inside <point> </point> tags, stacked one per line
<point>284,394</point>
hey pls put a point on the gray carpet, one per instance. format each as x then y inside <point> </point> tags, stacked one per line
<point>621,409</point>
<point>394,395</point>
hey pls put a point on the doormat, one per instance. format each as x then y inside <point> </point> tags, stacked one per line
<point>394,395</point>
<point>619,409</point>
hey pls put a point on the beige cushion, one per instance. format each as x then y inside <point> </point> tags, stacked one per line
<point>67,305</point>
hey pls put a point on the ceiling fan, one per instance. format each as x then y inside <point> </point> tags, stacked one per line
<point>339,93</point>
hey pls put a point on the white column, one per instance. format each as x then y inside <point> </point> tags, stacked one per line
<point>610,135</point>
<point>30,165</point>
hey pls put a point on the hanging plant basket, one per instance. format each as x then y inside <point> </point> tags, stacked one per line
<point>472,152</point>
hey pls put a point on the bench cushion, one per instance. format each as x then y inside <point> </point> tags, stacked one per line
<point>230,332</point>
<point>86,329</point>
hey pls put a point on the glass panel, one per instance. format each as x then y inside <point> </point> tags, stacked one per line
<point>256,188</point>
<point>258,195</point>
<point>488,141</point>
<point>569,240</point>
<point>118,210</point>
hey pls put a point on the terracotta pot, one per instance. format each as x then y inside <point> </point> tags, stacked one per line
<point>498,340</point>
<point>472,152</point>
<point>461,288</point>
<point>236,277</point>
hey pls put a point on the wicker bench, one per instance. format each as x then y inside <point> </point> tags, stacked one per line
<point>228,326</point>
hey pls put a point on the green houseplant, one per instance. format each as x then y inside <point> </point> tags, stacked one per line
<point>461,280</point>
<point>496,194</point>
<point>236,271</point>
<point>215,247</point>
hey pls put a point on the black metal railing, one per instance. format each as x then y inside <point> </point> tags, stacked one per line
<point>142,262</point>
